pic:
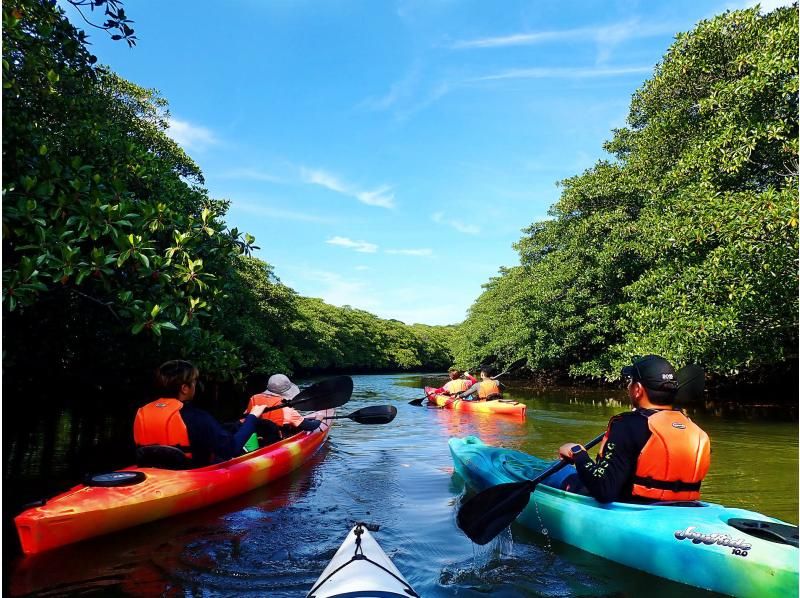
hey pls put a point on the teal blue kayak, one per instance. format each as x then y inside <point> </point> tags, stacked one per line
<point>726,550</point>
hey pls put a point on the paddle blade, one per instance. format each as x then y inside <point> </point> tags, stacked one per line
<point>417,402</point>
<point>327,394</point>
<point>691,382</point>
<point>489,512</point>
<point>374,414</point>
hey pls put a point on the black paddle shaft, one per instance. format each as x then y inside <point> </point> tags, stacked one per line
<point>489,512</point>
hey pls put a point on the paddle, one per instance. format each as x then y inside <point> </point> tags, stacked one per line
<point>327,394</point>
<point>374,414</point>
<point>513,366</point>
<point>489,512</point>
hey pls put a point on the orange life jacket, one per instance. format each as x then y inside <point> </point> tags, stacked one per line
<point>487,388</point>
<point>674,460</point>
<point>458,385</point>
<point>287,415</point>
<point>160,422</point>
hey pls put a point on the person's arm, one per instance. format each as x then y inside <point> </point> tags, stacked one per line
<point>606,478</point>
<point>472,379</point>
<point>225,445</point>
<point>471,390</point>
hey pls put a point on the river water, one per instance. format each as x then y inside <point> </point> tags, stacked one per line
<point>275,541</point>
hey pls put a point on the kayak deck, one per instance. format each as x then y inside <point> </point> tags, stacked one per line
<point>690,543</point>
<point>87,511</point>
<point>499,406</point>
<point>361,568</point>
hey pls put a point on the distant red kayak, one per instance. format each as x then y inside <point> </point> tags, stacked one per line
<point>87,511</point>
<point>500,406</point>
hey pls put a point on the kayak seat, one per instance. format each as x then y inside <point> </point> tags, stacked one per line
<point>162,456</point>
<point>767,530</point>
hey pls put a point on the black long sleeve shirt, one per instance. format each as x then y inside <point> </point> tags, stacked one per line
<point>210,441</point>
<point>610,478</point>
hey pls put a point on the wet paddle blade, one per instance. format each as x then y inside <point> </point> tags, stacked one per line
<point>489,512</point>
<point>374,414</point>
<point>417,402</point>
<point>327,394</point>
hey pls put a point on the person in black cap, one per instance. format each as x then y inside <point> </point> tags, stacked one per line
<point>652,453</point>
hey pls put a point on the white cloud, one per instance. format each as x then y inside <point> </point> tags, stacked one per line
<point>277,213</point>
<point>766,5</point>
<point>417,252</point>
<point>613,33</point>
<point>470,229</point>
<point>566,73</point>
<point>381,197</point>
<point>398,91</point>
<point>337,290</point>
<point>462,227</point>
<point>251,174</point>
<point>360,246</point>
<point>362,268</point>
<point>191,137</point>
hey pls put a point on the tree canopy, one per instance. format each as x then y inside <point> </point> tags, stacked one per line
<point>115,256</point>
<point>683,243</point>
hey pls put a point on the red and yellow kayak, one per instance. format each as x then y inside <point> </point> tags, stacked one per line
<point>87,511</point>
<point>500,406</point>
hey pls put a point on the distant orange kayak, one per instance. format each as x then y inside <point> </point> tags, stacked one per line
<point>500,406</point>
<point>87,511</point>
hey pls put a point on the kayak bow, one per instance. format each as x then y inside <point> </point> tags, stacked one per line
<point>152,493</point>
<point>499,406</point>
<point>360,568</point>
<point>727,550</point>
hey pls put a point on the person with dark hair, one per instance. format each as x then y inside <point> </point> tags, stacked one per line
<point>652,453</point>
<point>174,421</point>
<point>487,389</point>
<point>458,382</point>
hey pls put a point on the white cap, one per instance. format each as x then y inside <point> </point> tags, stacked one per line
<point>281,385</point>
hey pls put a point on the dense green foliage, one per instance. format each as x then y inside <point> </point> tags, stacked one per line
<point>685,242</point>
<point>276,329</point>
<point>114,255</point>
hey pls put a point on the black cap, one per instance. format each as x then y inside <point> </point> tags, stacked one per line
<point>655,373</point>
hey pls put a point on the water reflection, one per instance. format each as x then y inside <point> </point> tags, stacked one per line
<point>276,540</point>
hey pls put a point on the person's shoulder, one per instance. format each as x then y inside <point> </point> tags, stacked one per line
<point>626,419</point>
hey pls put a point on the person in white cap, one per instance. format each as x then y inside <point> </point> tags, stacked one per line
<point>280,389</point>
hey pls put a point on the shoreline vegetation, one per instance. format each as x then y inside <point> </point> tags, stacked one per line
<point>683,242</point>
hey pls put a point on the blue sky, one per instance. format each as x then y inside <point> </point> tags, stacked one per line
<point>387,154</point>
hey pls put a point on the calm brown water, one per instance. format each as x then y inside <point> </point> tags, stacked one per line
<point>275,541</point>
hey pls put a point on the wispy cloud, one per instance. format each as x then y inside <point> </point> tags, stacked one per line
<point>338,290</point>
<point>251,174</point>
<point>613,33</point>
<point>462,227</point>
<point>277,213</point>
<point>565,73</point>
<point>417,252</point>
<point>362,268</point>
<point>360,246</point>
<point>399,90</point>
<point>381,197</point>
<point>192,137</point>
<point>766,5</point>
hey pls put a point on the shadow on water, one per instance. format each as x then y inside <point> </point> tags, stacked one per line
<point>276,540</point>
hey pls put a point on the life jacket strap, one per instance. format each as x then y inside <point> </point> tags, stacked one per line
<point>676,486</point>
